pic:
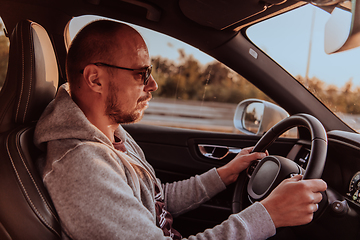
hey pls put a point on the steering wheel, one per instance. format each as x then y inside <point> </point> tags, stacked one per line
<point>271,170</point>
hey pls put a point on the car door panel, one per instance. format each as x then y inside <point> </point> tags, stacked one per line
<point>175,155</point>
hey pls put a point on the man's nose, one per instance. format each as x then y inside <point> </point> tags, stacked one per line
<point>151,85</point>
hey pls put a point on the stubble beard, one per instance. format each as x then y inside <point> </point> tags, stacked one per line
<point>117,115</point>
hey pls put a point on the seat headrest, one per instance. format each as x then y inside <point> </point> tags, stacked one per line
<point>32,78</point>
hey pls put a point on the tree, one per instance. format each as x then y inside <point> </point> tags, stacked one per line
<point>189,80</point>
<point>344,99</point>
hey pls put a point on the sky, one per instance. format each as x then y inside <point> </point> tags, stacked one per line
<point>158,44</point>
<point>285,38</point>
<point>288,44</point>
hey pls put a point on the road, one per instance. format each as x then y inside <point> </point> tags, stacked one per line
<point>204,115</point>
<point>191,114</point>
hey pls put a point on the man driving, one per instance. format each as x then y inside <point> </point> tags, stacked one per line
<point>97,176</point>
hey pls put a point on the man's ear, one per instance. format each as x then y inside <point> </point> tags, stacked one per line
<point>91,76</point>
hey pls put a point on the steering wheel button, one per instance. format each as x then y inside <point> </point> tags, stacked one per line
<point>339,207</point>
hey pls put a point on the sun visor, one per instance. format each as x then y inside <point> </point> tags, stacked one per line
<point>220,14</point>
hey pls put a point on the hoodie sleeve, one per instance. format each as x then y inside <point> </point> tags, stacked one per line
<point>252,223</point>
<point>94,200</point>
<point>186,195</point>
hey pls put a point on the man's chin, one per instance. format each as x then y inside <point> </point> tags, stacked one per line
<point>134,118</point>
<point>140,116</point>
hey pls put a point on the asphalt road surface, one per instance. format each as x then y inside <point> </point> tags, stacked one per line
<point>207,116</point>
<point>191,114</point>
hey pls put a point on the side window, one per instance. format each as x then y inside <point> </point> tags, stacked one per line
<point>195,91</point>
<point>4,54</point>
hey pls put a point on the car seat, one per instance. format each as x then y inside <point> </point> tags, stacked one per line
<point>26,210</point>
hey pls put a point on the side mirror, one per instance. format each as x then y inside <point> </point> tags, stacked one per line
<point>255,117</point>
<point>342,30</point>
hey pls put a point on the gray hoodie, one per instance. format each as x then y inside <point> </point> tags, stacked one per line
<point>102,193</point>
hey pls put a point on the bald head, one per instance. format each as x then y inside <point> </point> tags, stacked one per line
<point>101,41</point>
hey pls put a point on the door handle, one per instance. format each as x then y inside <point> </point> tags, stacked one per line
<point>217,152</point>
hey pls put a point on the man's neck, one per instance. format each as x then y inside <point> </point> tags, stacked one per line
<point>110,131</point>
<point>102,122</point>
<point>106,128</point>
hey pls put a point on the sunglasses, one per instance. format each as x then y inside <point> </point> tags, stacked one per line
<point>146,71</point>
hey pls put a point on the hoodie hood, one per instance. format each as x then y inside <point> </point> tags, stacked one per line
<point>63,119</point>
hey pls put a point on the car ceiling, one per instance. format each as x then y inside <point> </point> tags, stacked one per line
<point>176,18</point>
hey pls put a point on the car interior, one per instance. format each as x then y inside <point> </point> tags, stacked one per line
<point>38,35</point>
<point>31,84</point>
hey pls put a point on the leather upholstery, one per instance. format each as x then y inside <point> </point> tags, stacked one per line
<point>26,211</point>
<point>32,77</point>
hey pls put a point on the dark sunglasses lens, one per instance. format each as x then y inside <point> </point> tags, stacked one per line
<point>147,74</point>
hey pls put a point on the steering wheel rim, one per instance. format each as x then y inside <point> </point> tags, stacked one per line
<point>317,155</point>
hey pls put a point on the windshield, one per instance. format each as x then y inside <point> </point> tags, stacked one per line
<point>295,40</point>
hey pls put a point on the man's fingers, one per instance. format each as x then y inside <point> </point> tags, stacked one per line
<point>317,197</point>
<point>296,178</point>
<point>315,207</point>
<point>254,156</point>
<point>316,185</point>
<point>246,150</point>
<point>249,148</point>
<point>248,156</point>
<point>259,155</point>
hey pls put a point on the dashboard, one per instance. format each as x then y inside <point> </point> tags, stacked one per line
<point>342,170</point>
<point>354,188</point>
<point>340,215</point>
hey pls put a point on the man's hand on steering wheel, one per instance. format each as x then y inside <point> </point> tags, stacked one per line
<point>294,201</point>
<point>290,201</point>
<point>230,172</point>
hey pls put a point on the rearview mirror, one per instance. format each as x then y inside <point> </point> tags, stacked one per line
<point>342,30</point>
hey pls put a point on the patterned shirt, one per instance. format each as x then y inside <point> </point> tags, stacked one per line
<point>164,219</point>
